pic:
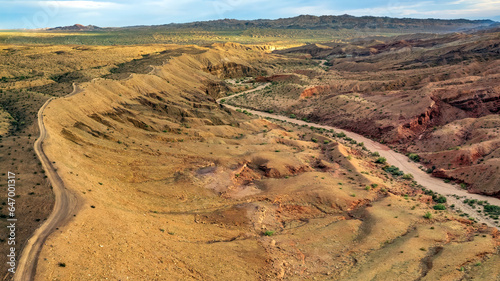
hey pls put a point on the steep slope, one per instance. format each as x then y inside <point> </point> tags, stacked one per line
<point>176,187</point>
<point>435,96</point>
<point>30,75</point>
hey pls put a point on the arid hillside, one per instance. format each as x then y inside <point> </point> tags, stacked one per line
<point>176,187</point>
<point>434,96</point>
<point>29,76</point>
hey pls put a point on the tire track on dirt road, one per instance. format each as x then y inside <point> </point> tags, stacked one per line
<point>66,204</point>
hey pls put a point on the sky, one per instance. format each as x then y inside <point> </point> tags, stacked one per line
<point>113,13</point>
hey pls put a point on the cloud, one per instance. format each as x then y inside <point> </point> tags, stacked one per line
<point>80,5</point>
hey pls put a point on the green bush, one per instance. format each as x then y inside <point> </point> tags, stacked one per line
<point>439,207</point>
<point>440,199</point>
<point>375,154</point>
<point>393,170</point>
<point>428,215</point>
<point>269,232</point>
<point>414,157</point>
<point>381,160</point>
<point>407,176</point>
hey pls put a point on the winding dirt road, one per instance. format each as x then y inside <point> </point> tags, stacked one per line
<point>66,204</point>
<point>397,159</point>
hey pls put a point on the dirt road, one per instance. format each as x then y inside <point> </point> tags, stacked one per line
<point>399,160</point>
<point>66,205</point>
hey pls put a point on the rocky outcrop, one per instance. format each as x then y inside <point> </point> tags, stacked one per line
<point>216,89</point>
<point>313,91</point>
<point>231,69</point>
<point>420,123</point>
<point>478,102</point>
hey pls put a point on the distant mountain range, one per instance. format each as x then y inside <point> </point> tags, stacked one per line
<point>316,23</point>
<point>325,22</point>
<point>76,27</point>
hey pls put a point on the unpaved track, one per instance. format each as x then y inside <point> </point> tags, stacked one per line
<point>65,206</point>
<point>397,159</point>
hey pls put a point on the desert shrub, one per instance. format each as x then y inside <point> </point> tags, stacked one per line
<point>428,215</point>
<point>439,199</point>
<point>414,157</point>
<point>314,139</point>
<point>269,232</point>
<point>439,207</point>
<point>375,154</point>
<point>492,210</point>
<point>341,135</point>
<point>381,160</point>
<point>393,170</point>
<point>407,176</point>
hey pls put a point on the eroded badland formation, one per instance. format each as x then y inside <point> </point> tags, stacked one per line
<point>171,185</point>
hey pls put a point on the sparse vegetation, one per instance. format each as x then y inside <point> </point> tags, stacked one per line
<point>269,232</point>
<point>414,157</point>
<point>393,170</point>
<point>439,207</point>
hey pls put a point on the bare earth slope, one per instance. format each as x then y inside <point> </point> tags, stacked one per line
<point>436,96</point>
<point>176,187</point>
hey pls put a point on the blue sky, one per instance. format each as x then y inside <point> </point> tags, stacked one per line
<point>40,14</point>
